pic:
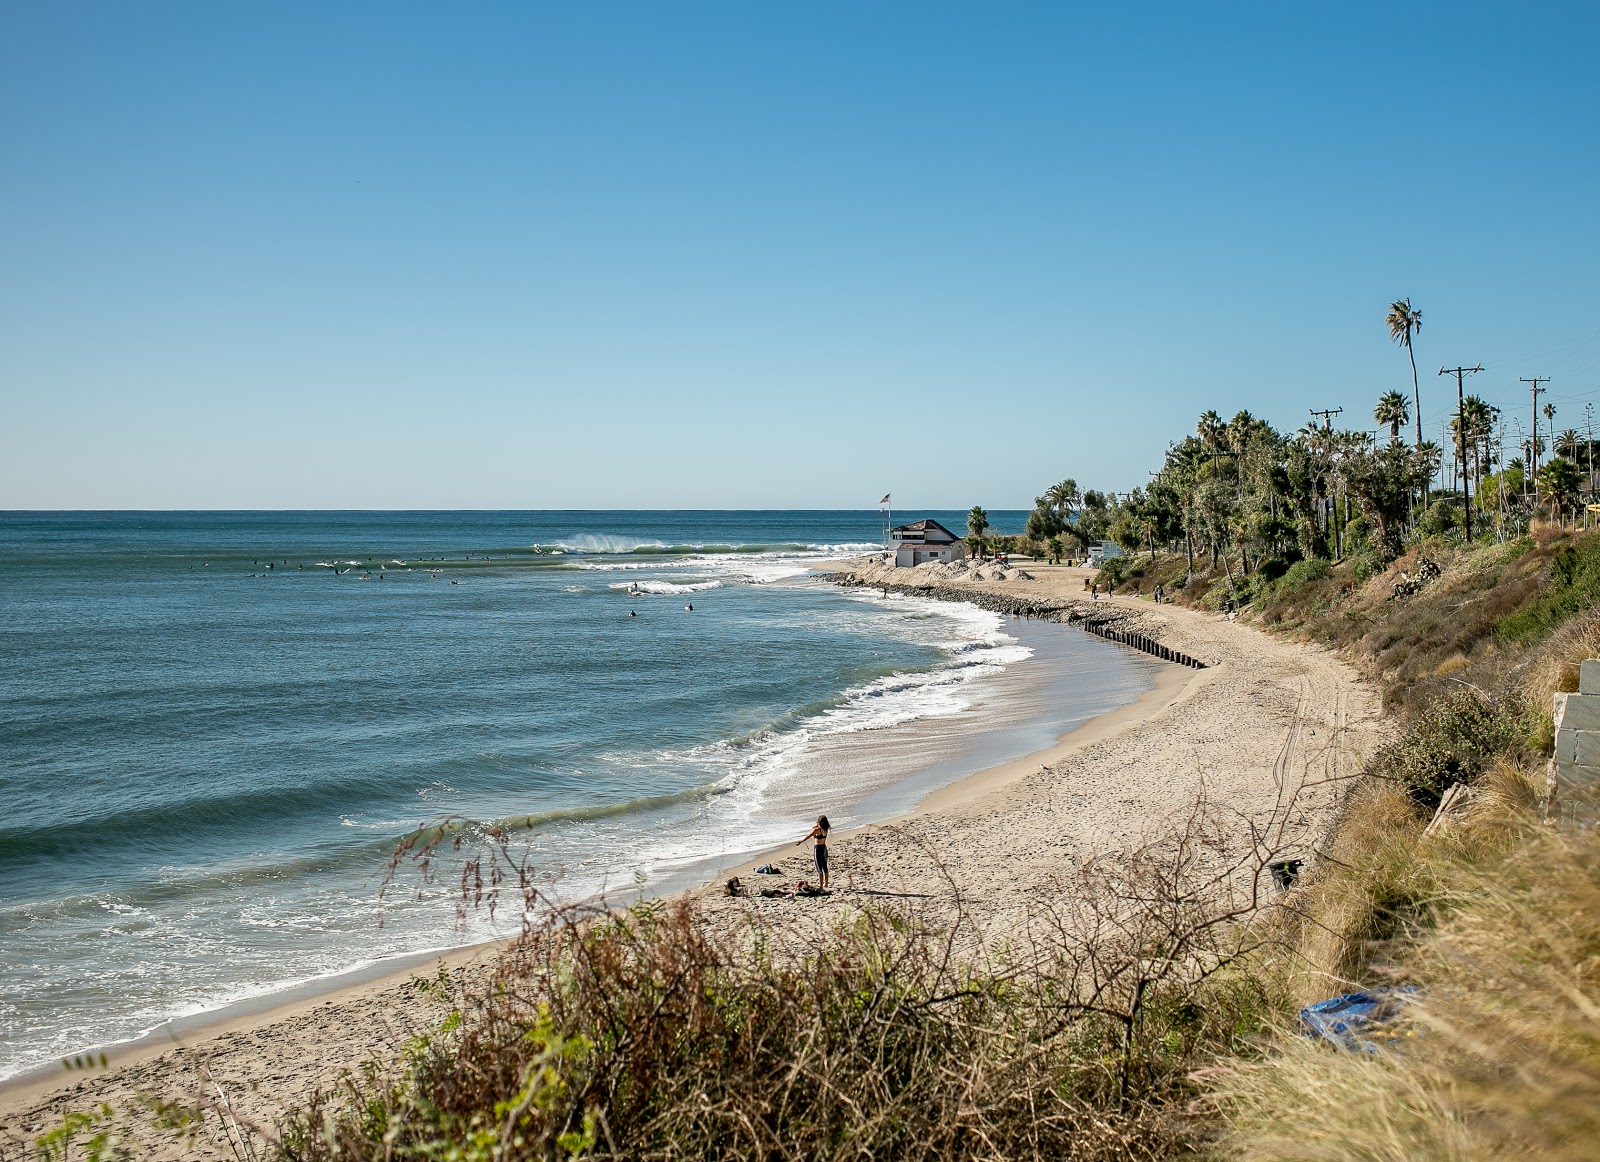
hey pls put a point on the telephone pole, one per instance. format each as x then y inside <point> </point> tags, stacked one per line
<point>1533,460</point>
<point>1461,444</point>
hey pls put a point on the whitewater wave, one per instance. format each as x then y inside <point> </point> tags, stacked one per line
<point>664,588</point>
<point>608,545</point>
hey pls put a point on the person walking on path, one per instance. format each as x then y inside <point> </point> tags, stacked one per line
<point>819,836</point>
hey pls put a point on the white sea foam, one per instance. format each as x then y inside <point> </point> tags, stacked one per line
<point>588,543</point>
<point>754,769</point>
<point>664,588</point>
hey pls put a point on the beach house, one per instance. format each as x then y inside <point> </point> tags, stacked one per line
<point>925,540</point>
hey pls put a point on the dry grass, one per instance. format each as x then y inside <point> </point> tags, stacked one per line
<point>1368,889</point>
<point>1506,1060</point>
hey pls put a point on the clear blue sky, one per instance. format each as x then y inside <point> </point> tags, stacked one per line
<point>748,255</point>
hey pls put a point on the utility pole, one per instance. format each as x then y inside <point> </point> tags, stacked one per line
<point>1461,444</point>
<point>1533,460</point>
<point>1327,415</point>
<point>1332,524</point>
<point>1588,413</point>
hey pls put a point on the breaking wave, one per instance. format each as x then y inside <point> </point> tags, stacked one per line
<point>665,588</point>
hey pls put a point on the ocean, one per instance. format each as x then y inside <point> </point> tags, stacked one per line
<point>217,726</point>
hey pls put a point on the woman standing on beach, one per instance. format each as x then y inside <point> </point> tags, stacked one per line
<point>819,833</point>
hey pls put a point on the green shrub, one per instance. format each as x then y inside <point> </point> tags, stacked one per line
<point>1574,586</point>
<point>1442,518</point>
<point>1366,564</point>
<point>1301,574</point>
<point>1113,572</point>
<point>1273,568</point>
<point>1452,741</point>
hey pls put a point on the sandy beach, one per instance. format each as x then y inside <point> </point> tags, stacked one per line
<point>1264,724</point>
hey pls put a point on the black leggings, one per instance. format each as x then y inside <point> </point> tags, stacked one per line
<point>822,858</point>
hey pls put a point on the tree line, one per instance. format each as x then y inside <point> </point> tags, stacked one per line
<point>1237,493</point>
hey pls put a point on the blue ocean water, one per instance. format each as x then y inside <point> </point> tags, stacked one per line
<point>216,726</point>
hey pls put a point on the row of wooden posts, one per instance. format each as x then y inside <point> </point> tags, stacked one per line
<point>1139,642</point>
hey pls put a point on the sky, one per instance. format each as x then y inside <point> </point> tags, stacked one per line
<point>734,255</point>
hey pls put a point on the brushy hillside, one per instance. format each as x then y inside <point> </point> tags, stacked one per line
<point>1494,913</point>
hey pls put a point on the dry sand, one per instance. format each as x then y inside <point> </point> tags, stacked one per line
<point>1266,718</point>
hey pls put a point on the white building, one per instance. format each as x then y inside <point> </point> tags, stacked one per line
<point>925,540</point>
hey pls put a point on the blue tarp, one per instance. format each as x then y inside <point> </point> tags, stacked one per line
<point>1363,1021</point>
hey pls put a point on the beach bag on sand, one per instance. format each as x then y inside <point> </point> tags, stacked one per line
<point>767,869</point>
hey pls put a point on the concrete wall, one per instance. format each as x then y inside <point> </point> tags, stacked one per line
<point>1575,769</point>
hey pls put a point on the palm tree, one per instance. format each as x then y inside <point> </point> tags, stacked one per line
<point>977,521</point>
<point>1567,444</point>
<point>1558,484</point>
<point>1480,419</point>
<point>1063,497</point>
<point>1433,457</point>
<point>1242,429</point>
<point>1404,322</point>
<point>1212,432</point>
<point>1393,410</point>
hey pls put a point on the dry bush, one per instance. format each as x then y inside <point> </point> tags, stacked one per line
<point>908,1033</point>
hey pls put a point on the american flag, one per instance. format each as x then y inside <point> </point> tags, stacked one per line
<point>885,499</point>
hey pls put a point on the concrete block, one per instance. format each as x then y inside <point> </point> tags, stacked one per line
<point>1578,746</point>
<point>1575,780</point>
<point>1589,676</point>
<point>1572,772</point>
<point>1577,711</point>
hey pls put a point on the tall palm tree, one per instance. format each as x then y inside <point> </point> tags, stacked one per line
<point>1212,432</point>
<point>1242,429</point>
<point>1567,444</point>
<point>1063,497</point>
<point>1481,416</point>
<point>1393,410</point>
<point>977,521</point>
<point>1404,322</point>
